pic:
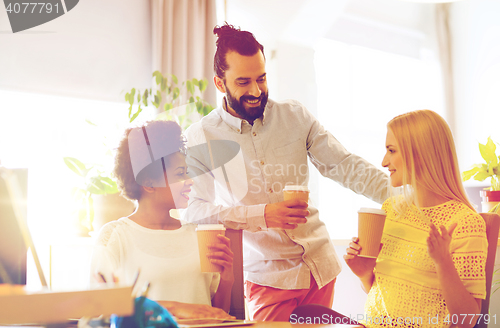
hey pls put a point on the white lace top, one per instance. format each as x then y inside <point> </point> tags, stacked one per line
<point>168,259</point>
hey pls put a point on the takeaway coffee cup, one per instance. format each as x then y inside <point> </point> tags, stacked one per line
<point>296,192</point>
<point>207,234</point>
<point>370,227</point>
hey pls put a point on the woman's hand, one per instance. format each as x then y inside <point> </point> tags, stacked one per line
<point>194,311</point>
<point>362,267</point>
<point>438,243</point>
<point>221,254</point>
<point>457,297</point>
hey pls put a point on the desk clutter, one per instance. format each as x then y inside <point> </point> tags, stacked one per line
<point>21,306</point>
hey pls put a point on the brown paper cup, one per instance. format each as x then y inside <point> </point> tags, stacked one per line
<point>296,192</point>
<point>207,234</point>
<point>370,228</point>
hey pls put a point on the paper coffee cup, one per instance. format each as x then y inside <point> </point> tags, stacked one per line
<point>296,192</point>
<point>207,234</point>
<point>370,228</point>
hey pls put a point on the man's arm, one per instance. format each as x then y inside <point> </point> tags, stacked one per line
<point>202,208</point>
<point>351,171</point>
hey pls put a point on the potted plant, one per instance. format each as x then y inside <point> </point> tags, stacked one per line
<point>94,181</point>
<point>489,169</point>
<point>182,103</point>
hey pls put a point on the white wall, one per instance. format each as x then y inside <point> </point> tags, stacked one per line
<point>476,64</point>
<point>96,50</point>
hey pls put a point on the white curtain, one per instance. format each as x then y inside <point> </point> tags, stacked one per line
<point>183,41</point>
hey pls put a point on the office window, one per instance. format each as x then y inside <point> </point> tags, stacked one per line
<point>37,131</point>
<point>359,91</point>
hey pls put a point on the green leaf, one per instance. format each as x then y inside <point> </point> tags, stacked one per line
<point>207,109</point>
<point>76,166</point>
<point>136,114</point>
<point>488,153</point>
<point>492,147</point>
<point>195,82</point>
<point>203,85</point>
<point>89,122</point>
<point>490,144</point>
<point>481,175</point>
<point>174,79</point>
<point>110,186</point>
<point>129,97</point>
<point>176,93</point>
<point>145,97</point>
<point>466,175</point>
<point>199,107</point>
<point>190,107</point>
<point>102,185</point>
<point>496,209</point>
<point>164,84</point>
<point>157,98</point>
<point>190,87</point>
<point>132,95</point>
<point>130,111</point>
<point>168,106</point>
<point>191,100</point>
<point>138,97</point>
<point>158,76</point>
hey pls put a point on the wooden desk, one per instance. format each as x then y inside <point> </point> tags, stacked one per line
<point>278,324</point>
<point>268,324</point>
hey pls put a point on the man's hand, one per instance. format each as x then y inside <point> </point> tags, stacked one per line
<point>286,215</point>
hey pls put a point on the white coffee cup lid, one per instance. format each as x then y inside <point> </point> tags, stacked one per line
<point>371,210</point>
<point>210,227</point>
<point>296,188</point>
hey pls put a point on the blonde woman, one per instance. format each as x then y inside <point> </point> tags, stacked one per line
<point>431,268</point>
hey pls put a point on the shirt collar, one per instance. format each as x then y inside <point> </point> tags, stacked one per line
<point>231,120</point>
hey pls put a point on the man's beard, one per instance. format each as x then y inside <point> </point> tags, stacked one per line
<point>251,113</point>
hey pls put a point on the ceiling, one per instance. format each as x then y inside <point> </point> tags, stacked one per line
<point>303,21</point>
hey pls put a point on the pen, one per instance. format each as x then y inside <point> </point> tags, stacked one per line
<point>136,278</point>
<point>102,277</point>
<point>145,289</point>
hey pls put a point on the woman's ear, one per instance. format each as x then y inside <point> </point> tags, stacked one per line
<point>147,186</point>
<point>148,189</point>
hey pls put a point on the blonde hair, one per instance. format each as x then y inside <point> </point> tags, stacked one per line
<point>429,157</point>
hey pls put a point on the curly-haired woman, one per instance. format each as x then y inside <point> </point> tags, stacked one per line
<point>151,169</point>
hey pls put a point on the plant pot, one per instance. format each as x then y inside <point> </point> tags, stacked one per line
<point>490,198</point>
<point>110,207</point>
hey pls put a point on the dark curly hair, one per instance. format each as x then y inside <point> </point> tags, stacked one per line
<point>142,142</point>
<point>233,39</point>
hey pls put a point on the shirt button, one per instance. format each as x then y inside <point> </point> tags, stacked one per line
<point>261,162</point>
<point>270,191</point>
<point>259,228</point>
<point>254,134</point>
<point>238,130</point>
